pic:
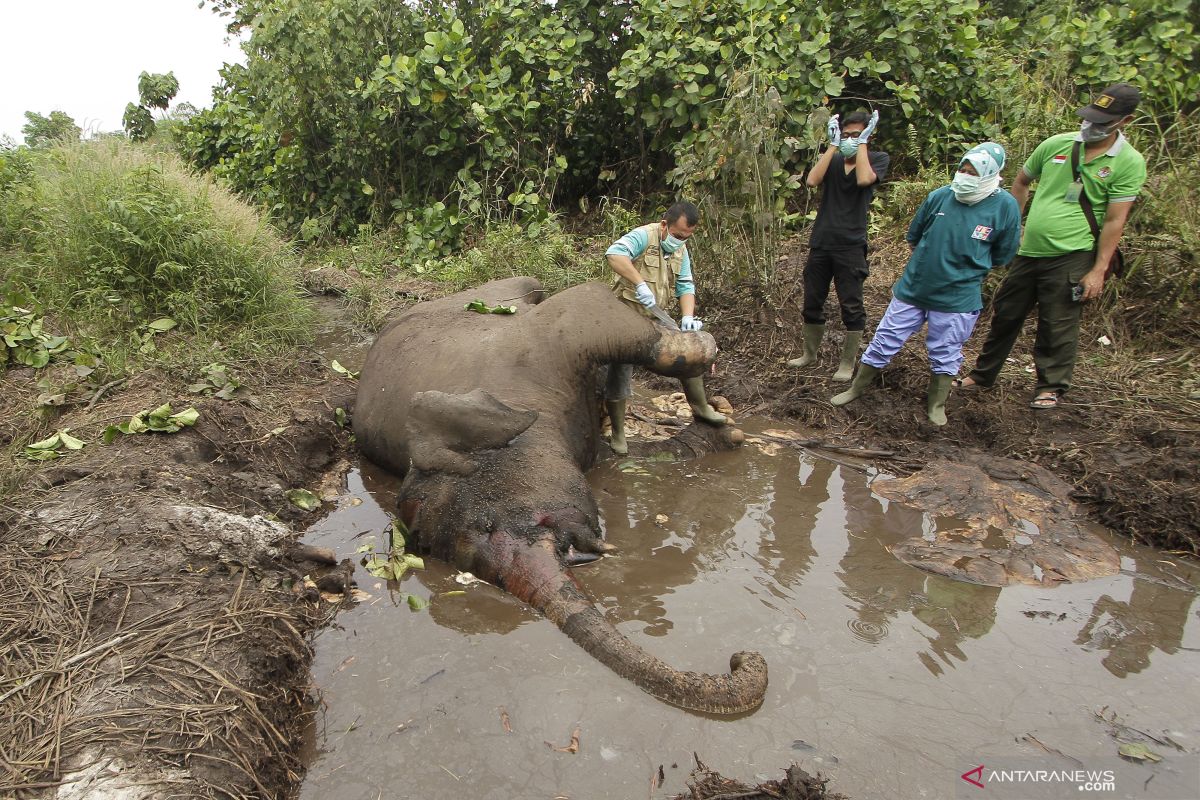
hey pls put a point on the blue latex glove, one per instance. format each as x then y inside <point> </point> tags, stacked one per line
<point>835,131</point>
<point>690,324</point>
<point>867,131</point>
<point>644,295</point>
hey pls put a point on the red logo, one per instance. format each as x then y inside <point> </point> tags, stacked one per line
<point>977,772</point>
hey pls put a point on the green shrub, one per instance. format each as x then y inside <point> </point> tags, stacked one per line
<point>505,249</point>
<point>115,235</point>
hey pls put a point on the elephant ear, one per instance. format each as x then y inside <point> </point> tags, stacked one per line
<point>445,429</point>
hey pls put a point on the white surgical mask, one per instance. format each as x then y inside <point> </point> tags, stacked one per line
<point>1092,132</point>
<point>671,244</point>
<point>849,147</point>
<point>970,189</point>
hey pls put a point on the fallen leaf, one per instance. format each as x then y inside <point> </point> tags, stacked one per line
<point>572,748</point>
<point>1138,751</point>
<point>504,720</point>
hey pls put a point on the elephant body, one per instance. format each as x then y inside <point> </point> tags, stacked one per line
<point>492,420</point>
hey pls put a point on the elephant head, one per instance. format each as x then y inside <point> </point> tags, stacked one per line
<point>493,419</point>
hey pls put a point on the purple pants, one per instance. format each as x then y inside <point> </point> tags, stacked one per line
<point>948,332</point>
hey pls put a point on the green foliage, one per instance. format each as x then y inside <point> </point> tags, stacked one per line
<point>23,340</point>
<point>506,249</point>
<point>156,420</point>
<point>55,129</point>
<point>1150,43</point>
<point>115,238</point>
<point>156,90</point>
<point>138,122</point>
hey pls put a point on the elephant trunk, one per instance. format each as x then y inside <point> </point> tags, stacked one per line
<point>562,601</point>
<point>682,355</point>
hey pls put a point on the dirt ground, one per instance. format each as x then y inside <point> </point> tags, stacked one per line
<point>154,618</point>
<point>155,621</point>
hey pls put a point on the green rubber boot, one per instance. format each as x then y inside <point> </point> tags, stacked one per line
<point>616,415</point>
<point>693,389</point>
<point>849,356</point>
<point>939,388</point>
<point>866,374</point>
<point>812,335</point>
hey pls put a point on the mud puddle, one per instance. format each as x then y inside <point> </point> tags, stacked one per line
<point>888,679</point>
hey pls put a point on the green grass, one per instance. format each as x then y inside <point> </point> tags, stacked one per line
<point>106,236</point>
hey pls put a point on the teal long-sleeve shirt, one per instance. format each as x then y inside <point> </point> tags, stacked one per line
<point>954,247</point>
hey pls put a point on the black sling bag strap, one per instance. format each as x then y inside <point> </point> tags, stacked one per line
<point>1116,264</point>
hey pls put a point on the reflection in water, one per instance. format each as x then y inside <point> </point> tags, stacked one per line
<point>782,553</point>
<point>881,588</point>
<point>1154,617</point>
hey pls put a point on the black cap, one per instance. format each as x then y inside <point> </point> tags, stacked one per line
<point>1115,102</point>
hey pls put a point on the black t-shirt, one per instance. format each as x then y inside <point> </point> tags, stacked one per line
<point>842,218</point>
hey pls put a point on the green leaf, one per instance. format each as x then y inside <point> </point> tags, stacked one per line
<point>340,370</point>
<point>1138,751</point>
<point>416,603</point>
<point>186,418</point>
<point>339,417</point>
<point>379,567</point>
<point>49,443</point>
<point>303,499</point>
<point>398,534</point>
<point>480,307</point>
<point>162,325</point>
<point>69,441</point>
<point>413,562</point>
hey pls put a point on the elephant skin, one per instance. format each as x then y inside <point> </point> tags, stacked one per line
<point>493,419</point>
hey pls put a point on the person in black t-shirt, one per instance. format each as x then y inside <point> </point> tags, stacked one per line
<point>847,174</point>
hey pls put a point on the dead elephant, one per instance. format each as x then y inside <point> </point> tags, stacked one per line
<point>493,419</point>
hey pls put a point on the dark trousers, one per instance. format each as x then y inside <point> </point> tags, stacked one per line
<point>847,270</point>
<point>1047,284</point>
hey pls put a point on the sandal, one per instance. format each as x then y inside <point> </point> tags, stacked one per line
<point>1043,401</point>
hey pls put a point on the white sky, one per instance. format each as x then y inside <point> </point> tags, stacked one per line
<point>83,57</point>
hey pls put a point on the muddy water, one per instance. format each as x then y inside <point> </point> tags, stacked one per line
<point>889,680</point>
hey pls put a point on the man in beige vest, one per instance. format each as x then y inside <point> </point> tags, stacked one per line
<point>652,266</point>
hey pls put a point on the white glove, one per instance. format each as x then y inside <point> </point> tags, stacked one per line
<point>644,295</point>
<point>870,128</point>
<point>835,131</point>
<point>690,324</point>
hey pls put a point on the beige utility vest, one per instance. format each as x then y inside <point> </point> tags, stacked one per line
<point>657,269</point>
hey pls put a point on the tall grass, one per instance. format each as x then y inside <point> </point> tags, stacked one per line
<point>113,235</point>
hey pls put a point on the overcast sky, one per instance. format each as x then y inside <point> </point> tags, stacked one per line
<point>84,57</point>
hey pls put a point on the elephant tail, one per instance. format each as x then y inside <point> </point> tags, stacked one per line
<point>740,691</point>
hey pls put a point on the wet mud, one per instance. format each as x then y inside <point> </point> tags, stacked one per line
<point>885,677</point>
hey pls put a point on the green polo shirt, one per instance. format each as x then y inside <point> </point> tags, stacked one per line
<point>1057,226</point>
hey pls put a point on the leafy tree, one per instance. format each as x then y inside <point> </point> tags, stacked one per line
<point>433,113</point>
<point>138,122</point>
<point>155,90</point>
<point>42,131</point>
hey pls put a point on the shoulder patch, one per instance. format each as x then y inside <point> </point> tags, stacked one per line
<point>1061,158</point>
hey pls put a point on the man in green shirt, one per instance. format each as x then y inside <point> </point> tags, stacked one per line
<point>1061,264</point>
